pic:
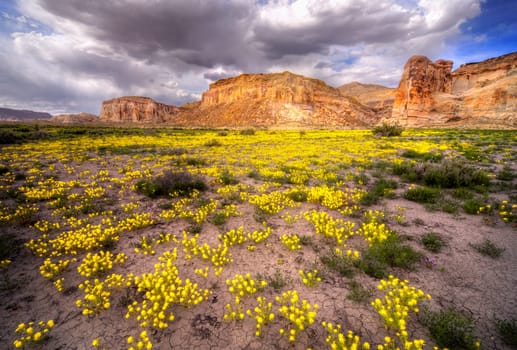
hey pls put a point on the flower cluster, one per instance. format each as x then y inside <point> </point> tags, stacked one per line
<point>202,272</point>
<point>399,300</point>
<point>334,198</point>
<point>338,341</point>
<point>130,207</point>
<point>143,342</point>
<point>32,332</point>
<point>271,203</point>
<point>233,237</point>
<point>262,313</point>
<point>374,232</point>
<point>507,212</point>
<point>241,287</point>
<point>289,219</point>
<point>5,263</point>
<point>199,215</point>
<point>22,213</point>
<point>96,298</point>
<point>310,278</point>
<point>258,236</point>
<point>326,226</point>
<point>87,237</point>
<point>163,288</point>
<point>100,263</point>
<point>44,190</point>
<point>291,241</point>
<point>51,270</point>
<point>300,314</point>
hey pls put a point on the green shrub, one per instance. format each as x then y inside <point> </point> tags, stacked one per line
<point>433,242</point>
<point>422,194</point>
<point>488,248</point>
<point>219,219</point>
<point>505,174</point>
<point>358,293</point>
<point>248,132</point>
<point>426,156</point>
<point>450,173</point>
<point>8,137</point>
<point>462,193</point>
<point>339,263</point>
<point>381,188</point>
<point>171,183</point>
<point>508,331</point>
<point>376,260</point>
<point>471,206</point>
<point>449,328</point>
<point>212,143</point>
<point>453,174</point>
<point>298,195</point>
<point>227,178</point>
<point>361,179</point>
<point>386,130</point>
<point>276,281</point>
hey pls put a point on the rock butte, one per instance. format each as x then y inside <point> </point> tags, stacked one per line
<point>429,94</point>
<point>136,109</point>
<point>75,118</point>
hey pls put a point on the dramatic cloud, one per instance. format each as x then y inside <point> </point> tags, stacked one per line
<point>69,55</point>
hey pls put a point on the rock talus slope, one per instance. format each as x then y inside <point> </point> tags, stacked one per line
<point>476,94</point>
<point>377,97</point>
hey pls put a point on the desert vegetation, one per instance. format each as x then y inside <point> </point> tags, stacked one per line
<point>116,238</point>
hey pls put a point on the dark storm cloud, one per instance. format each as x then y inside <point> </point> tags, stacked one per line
<point>358,22</point>
<point>197,32</point>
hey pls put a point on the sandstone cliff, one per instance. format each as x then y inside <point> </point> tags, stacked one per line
<point>476,94</point>
<point>75,118</point>
<point>377,97</point>
<point>136,109</point>
<point>279,99</point>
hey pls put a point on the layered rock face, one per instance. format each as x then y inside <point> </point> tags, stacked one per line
<point>421,80</point>
<point>476,94</point>
<point>279,99</point>
<point>137,110</point>
<point>75,118</point>
<point>377,97</point>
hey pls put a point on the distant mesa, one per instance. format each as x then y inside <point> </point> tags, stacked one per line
<point>8,114</point>
<point>78,118</point>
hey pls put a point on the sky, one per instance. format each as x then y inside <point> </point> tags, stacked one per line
<point>67,56</point>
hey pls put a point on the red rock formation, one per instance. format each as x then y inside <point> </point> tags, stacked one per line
<point>476,94</point>
<point>279,99</point>
<point>420,81</point>
<point>136,109</point>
